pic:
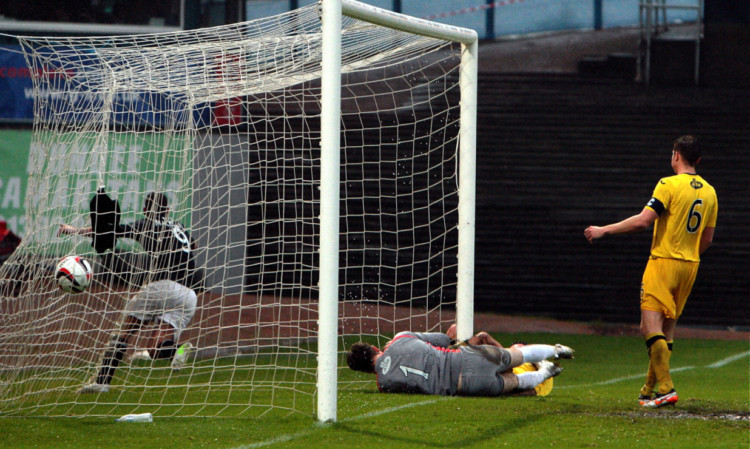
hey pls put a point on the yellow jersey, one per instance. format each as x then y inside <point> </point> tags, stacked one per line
<point>686,205</point>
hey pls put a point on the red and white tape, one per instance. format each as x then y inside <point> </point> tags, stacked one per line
<point>472,9</point>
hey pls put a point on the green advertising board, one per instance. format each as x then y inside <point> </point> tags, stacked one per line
<point>55,176</point>
<point>14,157</point>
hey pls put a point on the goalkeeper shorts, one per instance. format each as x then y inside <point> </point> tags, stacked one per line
<point>481,369</point>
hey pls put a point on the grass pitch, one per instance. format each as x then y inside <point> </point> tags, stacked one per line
<point>593,405</point>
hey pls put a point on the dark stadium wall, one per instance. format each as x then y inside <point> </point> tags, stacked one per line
<point>559,153</point>
<point>726,40</point>
<point>555,154</point>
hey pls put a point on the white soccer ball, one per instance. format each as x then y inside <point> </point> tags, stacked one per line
<point>74,274</point>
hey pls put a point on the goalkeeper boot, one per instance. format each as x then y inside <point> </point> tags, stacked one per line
<point>181,356</point>
<point>660,400</point>
<point>644,399</point>
<point>563,352</point>
<point>548,368</point>
<point>93,387</point>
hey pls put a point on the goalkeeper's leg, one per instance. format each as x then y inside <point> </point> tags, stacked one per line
<point>527,381</point>
<point>521,354</point>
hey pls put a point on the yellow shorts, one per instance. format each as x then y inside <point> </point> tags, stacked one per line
<point>666,285</point>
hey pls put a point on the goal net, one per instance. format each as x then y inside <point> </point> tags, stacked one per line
<point>226,123</point>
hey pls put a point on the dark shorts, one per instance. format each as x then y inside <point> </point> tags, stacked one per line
<point>481,367</point>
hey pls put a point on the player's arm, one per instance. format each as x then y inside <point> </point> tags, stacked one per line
<point>437,339</point>
<point>481,338</point>
<point>72,230</point>
<point>123,231</point>
<point>706,238</point>
<point>636,223</point>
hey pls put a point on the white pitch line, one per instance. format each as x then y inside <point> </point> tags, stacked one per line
<point>729,360</point>
<point>718,364</point>
<point>278,439</point>
<point>294,436</point>
<point>304,433</point>
<point>389,410</point>
<point>622,379</point>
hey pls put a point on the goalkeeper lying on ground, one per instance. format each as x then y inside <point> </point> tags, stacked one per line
<point>416,362</point>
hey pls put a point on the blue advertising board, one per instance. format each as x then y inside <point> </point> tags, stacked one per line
<point>16,97</point>
<point>67,94</point>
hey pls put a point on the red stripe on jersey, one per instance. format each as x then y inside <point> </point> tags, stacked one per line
<point>445,349</point>
<point>397,338</point>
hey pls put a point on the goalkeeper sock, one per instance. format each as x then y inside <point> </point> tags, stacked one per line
<point>529,379</point>
<point>536,353</point>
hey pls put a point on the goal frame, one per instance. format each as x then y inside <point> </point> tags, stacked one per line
<point>332,12</point>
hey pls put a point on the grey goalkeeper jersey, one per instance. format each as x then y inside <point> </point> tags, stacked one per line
<point>415,362</point>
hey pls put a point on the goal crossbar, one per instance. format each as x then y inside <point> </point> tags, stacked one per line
<point>403,22</point>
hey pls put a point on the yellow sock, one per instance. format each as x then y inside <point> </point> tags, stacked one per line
<point>670,344</point>
<point>658,352</point>
<point>648,387</point>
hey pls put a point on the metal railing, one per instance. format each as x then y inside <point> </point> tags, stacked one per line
<point>653,21</point>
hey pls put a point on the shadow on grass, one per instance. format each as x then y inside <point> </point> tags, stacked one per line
<point>487,433</point>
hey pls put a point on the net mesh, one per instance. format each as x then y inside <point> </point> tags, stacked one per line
<point>226,122</point>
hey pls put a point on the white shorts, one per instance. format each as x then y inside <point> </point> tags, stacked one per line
<point>166,301</point>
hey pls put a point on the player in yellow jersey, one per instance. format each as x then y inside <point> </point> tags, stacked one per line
<point>684,209</point>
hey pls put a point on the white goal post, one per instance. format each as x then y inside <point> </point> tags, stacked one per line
<point>332,11</point>
<point>322,165</point>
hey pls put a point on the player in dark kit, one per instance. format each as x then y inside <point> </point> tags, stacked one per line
<point>165,300</point>
<point>426,363</point>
